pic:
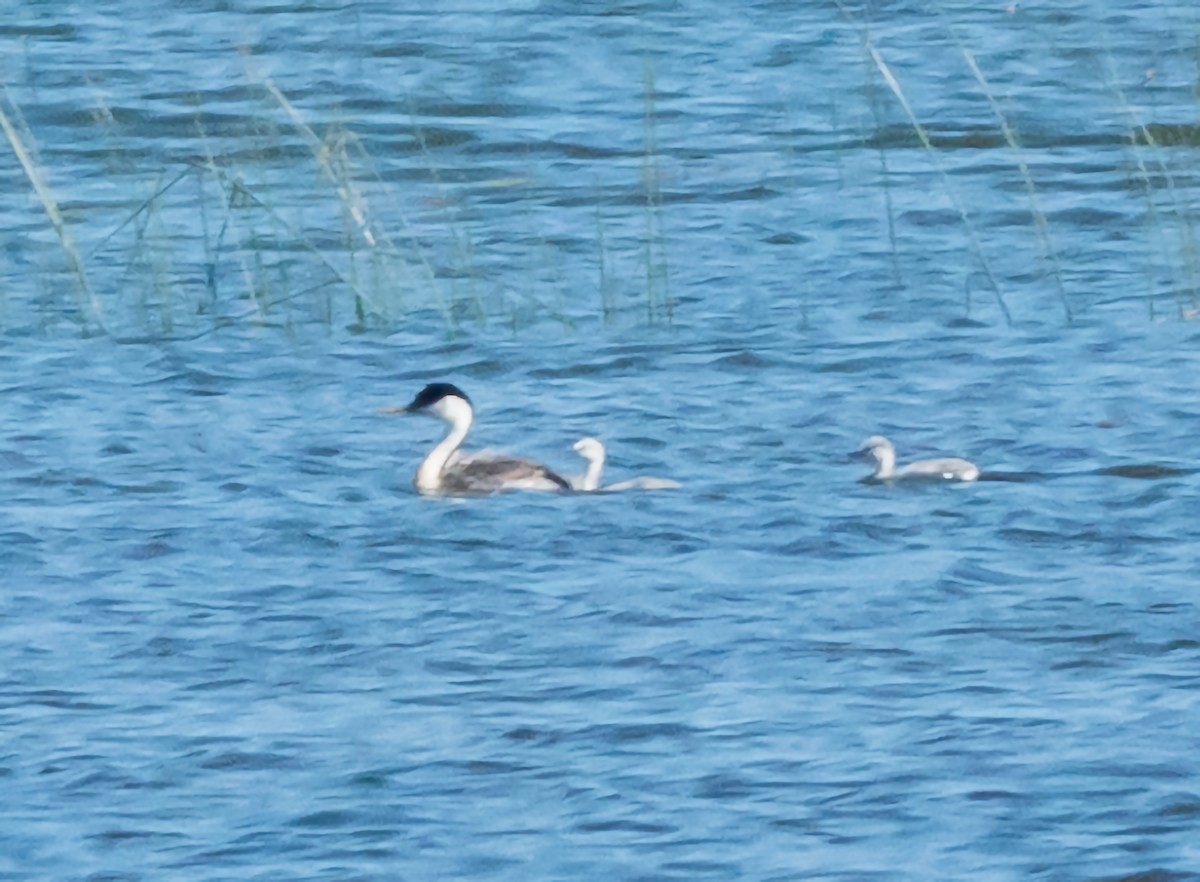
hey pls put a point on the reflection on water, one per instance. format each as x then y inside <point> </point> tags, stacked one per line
<point>240,646</point>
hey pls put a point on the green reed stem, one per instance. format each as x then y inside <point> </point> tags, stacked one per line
<point>657,268</point>
<point>1039,216</point>
<point>885,176</point>
<point>1187,231</point>
<point>87,299</point>
<point>606,305</point>
<point>441,302</point>
<point>345,190</point>
<point>147,203</point>
<point>459,234</point>
<point>238,190</point>
<point>923,136</point>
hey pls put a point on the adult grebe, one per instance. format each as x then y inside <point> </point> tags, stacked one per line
<point>448,471</point>
<point>949,468</point>
<point>593,451</point>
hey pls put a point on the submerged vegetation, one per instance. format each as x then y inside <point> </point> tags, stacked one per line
<point>277,213</point>
<point>1173,276</point>
<point>218,239</point>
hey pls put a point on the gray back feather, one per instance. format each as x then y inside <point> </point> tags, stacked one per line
<point>487,474</point>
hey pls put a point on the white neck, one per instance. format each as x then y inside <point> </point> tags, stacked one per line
<point>595,468</point>
<point>458,416</point>
<point>885,462</point>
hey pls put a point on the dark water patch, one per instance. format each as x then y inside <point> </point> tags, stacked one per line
<point>1168,608</point>
<point>609,367</point>
<point>13,459</point>
<point>493,767</point>
<point>216,857</point>
<point>625,826</point>
<point>636,733</point>
<point>418,140</point>
<point>932,218</point>
<point>1091,663</point>
<point>403,49</point>
<point>65,32</point>
<point>1185,644</point>
<point>1028,536</point>
<point>158,647</point>
<point>217,685</point>
<point>151,550</point>
<point>1095,639</point>
<point>111,779</point>
<point>1169,135</point>
<point>53,477</point>
<point>645,620</point>
<point>236,761</point>
<point>973,572</point>
<point>118,836</point>
<point>881,533</point>
<point>724,787</point>
<point>1144,471</point>
<point>17,538</point>
<point>149,488</point>
<point>1088,217</point>
<point>858,366</point>
<point>53,698</point>
<point>329,819</point>
<point>1188,807</point>
<point>998,796</point>
<point>905,137</point>
<point>787,238</point>
<point>744,360</point>
<point>323,452</point>
<point>524,734</point>
<point>978,689</point>
<point>193,381</point>
<point>692,869</point>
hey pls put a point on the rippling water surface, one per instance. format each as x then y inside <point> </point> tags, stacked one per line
<point>237,646</point>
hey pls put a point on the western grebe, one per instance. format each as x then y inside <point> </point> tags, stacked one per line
<point>448,471</point>
<point>593,451</point>
<point>949,468</point>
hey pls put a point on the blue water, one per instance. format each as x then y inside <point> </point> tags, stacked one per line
<point>236,645</point>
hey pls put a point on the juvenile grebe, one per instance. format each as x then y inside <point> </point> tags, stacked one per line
<point>448,471</point>
<point>593,451</point>
<point>950,468</point>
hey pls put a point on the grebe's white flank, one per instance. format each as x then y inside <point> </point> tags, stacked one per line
<point>446,470</point>
<point>593,451</point>
<point>949,468</point>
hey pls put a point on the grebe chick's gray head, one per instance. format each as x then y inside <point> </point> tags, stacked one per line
<point>592,450</point>
<point>881,451</point>
<point>876,442</point>
<point>949,468</point>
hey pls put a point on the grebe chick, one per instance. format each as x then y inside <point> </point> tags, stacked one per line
<point>448,471</point>
<point>593,451</point>
<point>949,468</point>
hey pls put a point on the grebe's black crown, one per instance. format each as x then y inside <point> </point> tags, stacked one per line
<point>435,392</point>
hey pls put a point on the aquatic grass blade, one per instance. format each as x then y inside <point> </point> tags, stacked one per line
<point>50,207</point>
